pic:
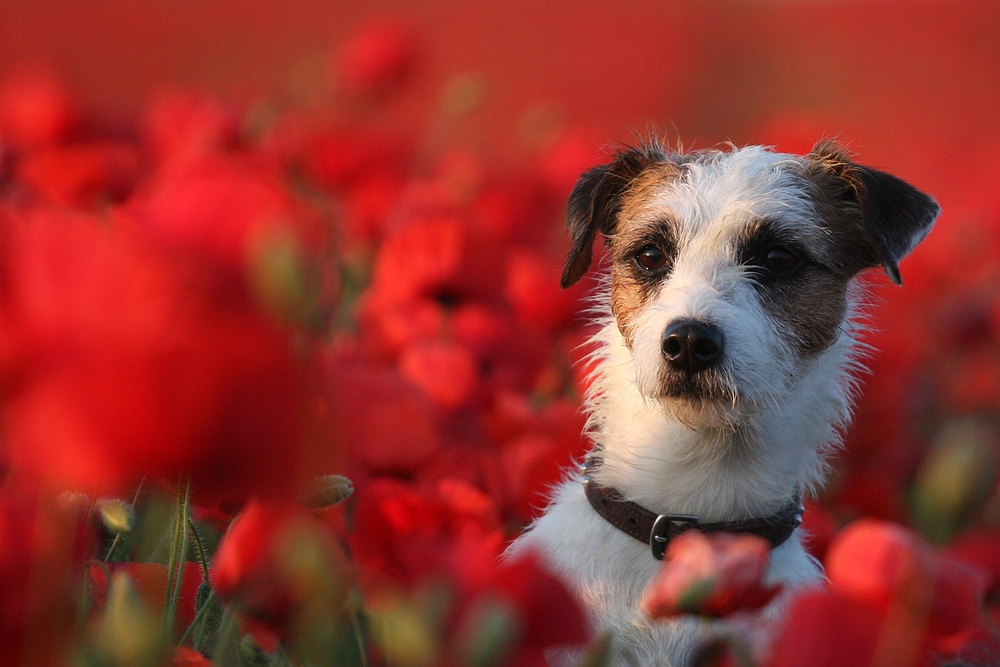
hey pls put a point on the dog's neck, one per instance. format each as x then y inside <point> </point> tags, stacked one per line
<point>720,473</point>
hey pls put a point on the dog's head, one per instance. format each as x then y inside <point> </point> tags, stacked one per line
<point>730,270</point>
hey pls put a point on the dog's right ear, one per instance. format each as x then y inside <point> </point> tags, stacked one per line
<point>596,201</point>
<point>893,215</point>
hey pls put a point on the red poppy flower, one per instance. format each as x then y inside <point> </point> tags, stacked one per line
<point>223,209</point>
<point>544,612</point>
<point>182,124</point>
<point>829,630</point>
<point>980,547</point>
<point>44,542</point>
<point>389,325</point>
<point>484,330</point>
<point>36,110</point>
<point>378,58</point>
<point>440,257</point>
<point>278,562</point>
<point>551,615</point>
<point>531,465</point>
<point>82,175</point>
<point>713,575</point>
<point>516,208</point>
<point>350,159</point>
<point>533,289</point>
<point>891,569</point>
<point>121,367</point>
<point>188,657</point>
<point>383,421</point>
<point>872,560</point>
<point>403,535</point>
<point>445,372</point>
<point>234,220</point>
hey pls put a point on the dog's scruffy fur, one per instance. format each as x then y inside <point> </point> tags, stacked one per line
<point>763,249</point>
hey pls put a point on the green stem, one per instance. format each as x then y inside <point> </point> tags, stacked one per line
<point>359,638</point>
<point>224,655</point>
<point>178,556</point>
<point>199,545</point>
<point>174,548</point>
<point>111,549</point>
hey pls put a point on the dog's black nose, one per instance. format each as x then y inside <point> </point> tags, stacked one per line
<point>690,345</point>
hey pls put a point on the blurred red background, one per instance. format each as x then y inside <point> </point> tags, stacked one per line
<point>885,73</point>
<point>507,103</point>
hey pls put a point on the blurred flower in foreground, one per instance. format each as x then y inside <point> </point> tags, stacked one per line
<point>712,575</point>
<point>891,568</point>
<point>235,219</point>
<point>440,549</point>
<point>128,632</point>
<point>892,601</point>
<point>149,581</point>
<point>482,613</point>
<point>956,478</point>
<point>281,567</point>
<point>116,363</point>
<point>44,542</point>
<point>527,606</point>
<point>186,657</point>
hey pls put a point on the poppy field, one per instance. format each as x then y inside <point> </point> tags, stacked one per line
<point>280,381</point>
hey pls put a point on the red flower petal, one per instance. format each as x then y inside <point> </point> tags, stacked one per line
<point>714,575</point>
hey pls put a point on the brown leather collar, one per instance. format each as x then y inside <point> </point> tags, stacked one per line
<point>658,529</point>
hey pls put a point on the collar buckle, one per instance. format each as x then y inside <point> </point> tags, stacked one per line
<point>667,527</point>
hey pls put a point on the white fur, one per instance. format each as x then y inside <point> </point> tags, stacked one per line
<point>721,462</point>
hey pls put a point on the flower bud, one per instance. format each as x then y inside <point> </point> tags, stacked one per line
<point>117,516</point>
<point>326,491</point>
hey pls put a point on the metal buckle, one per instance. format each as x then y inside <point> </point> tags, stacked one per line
<point>667,527</point>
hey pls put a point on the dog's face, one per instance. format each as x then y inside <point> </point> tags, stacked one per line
<point>730,271</point>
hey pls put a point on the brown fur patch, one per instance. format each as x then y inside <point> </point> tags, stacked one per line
<point>639,226</point>
<point>836,194</point>
<point>596,201</point>
<point>809,309</point>
<point>628,298</point>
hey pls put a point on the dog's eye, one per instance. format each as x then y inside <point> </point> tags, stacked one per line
<point>781,261</point>
<point>651,258</point>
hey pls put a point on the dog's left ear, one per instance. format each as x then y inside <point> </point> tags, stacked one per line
<point>596,201</point>
<point>894,215</point>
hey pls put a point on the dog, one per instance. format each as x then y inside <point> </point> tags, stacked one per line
<point>725,364</point>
